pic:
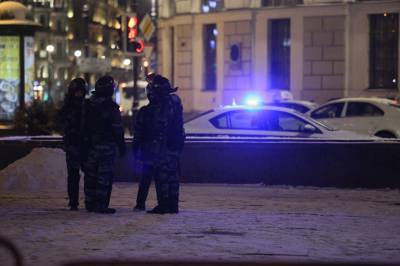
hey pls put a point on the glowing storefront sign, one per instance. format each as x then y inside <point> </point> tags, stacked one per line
<point>9,76</point>
<point>29,67</point>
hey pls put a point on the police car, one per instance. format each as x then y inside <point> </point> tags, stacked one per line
<point>262,121</point>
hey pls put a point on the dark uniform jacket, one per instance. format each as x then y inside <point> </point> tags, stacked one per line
<point>159,129</point>
<point>103,123</point>
<point>71,118</point>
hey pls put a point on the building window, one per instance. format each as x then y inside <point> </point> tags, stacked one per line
<point>211,5</point>
<point>210,56</point>
<point>282,2</point>
<point>43,20</point>
<point>59,49</point>
<point>42,44</point>
<point>59,25</point>
<point>279,53</point>
<point>383,51</point>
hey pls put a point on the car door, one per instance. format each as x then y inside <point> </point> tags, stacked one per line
<point>362,117</point>
<point>262,123</point>
<point>331,114</point>
<point>238,123</point>
<point>285,124</point>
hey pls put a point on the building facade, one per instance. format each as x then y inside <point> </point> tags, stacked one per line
<point>219,52</point>
<point>78,38</point>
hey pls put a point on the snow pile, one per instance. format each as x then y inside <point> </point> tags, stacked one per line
<point>44,169</point>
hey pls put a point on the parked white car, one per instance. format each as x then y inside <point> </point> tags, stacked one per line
<point>372,116</point>
<point>262,121</point>
<point>299,106</point>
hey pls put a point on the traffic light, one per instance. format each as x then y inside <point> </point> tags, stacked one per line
<point>132,28</point>
<point>134,44</point>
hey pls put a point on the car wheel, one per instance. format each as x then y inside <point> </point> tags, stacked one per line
<point>385,134</point>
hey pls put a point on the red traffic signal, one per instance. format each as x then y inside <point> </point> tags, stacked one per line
<point>132,28</point>
<point>139,46</point>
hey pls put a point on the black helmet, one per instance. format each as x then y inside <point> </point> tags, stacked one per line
<point>105,86</point>
<point>76,85</point>
<point>159,85</point>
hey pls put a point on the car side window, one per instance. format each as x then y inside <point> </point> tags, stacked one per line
<point>221,121</point>
<point>332,110</point>
<point>247,119</point>
<point>281,121</point>
<point>362,109</point>
<point>299,108</point>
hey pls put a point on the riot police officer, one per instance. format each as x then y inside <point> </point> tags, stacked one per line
<point>158,142</point>
<point>104,134</point>
<point>71,118</point>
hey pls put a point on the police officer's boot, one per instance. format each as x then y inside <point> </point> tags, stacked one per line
<point>158,210</point>
<point>163,200</point>
<point>173,197</point>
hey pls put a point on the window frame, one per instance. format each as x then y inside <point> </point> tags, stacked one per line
<point>326,105</point>
<point>382,113</point>
<point>279,56</point>
<point>209,74</point>
<point>382,52</point>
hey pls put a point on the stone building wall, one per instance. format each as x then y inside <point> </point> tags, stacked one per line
<point>183,62</point>
<point>237,75</point>
<point>159,51</point>
<point>323,58</point>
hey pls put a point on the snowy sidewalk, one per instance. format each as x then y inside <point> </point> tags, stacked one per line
<point>216,222</point>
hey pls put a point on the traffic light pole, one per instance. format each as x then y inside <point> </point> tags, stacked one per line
<point>135,104</point>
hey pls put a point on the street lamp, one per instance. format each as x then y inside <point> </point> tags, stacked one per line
<point>126,62</point>
<point>78,53</point>
<point>50,49</point>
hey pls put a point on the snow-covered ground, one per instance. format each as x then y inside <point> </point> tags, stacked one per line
<point>216,222</point>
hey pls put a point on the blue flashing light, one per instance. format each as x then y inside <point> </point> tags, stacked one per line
<point>252,101</point>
